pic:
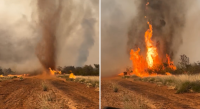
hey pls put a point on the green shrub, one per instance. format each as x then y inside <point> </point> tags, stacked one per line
<point>184,87</point>
<point>21,78</point>
<point>195,86</point>
<point>14,76</point>
<point>187,86</point>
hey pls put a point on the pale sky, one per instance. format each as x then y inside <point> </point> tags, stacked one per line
<point>18,18</point>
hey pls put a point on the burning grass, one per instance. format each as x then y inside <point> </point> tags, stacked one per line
<point>182,83</point>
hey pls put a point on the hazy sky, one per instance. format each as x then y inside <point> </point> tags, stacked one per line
<point>116,20</point>
<point>19,34</point>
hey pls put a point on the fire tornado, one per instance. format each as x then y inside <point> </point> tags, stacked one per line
<point>156,45</point>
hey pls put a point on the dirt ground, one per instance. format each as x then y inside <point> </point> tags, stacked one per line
<point>28,94</point>
<point>138,92</point>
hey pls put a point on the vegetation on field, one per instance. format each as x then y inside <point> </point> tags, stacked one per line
<point>182,83</point>
<point>6,72</point>
<point>115,88</point>
<point>185,78</point>
<point>44,86</point>
<point>86,70</point>
<point>183,67</point>
<point>90,81</point>
<point>134,103</point>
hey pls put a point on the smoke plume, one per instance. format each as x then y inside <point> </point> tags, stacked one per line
<point>167,18</point>
<point>41,34</point>
<point>124,26</point>
<point>48,14</point>
<point>50,22</point>
<point>88,24</point>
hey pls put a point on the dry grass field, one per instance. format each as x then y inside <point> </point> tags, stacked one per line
<point>46,92</point>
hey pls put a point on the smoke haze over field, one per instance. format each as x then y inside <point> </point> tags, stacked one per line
<point>48,33</point>
<point>124,25</point>
<point>116,16</point>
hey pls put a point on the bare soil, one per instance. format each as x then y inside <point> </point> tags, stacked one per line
<point>152,95</point>
<point>29,94</point>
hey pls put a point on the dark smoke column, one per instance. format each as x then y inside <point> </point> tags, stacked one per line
<point>48,15</point>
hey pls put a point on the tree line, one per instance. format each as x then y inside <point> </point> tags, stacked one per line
<point>87,70</point>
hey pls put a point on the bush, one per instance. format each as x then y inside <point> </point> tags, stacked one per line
<point>187,86</point>
<point>21,78</point>
<point>44,87</point>
<point>69,79</point>
<point>115,88</point>
<point>14,76</point>
<point>185,66</point>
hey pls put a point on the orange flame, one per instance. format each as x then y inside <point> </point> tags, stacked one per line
<point>151,50</point>
<point>171,64</point>
<point>15,75</point>
<point>140,64</point>
<point>53,72</point>
<point>121,74</point>
<point>167,73</point>
<point>72,75</point>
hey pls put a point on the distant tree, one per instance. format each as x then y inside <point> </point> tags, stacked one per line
<point>8,71</point>
<point>59,68</point>
<point>96,66</point>
<point>1,71</point>
<point>67,69</point>
<point>86,70</point>
<point>184,61</point>
<point>78,71</point>
<point>96,70</point>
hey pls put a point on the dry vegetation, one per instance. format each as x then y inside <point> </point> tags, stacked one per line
<point>9,77</point>
<point>185,78</point>
<point>134,103</point>
<point>89,81</point>
<point>182,83</point>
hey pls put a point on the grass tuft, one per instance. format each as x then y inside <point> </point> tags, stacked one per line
<point>44,87</point>
<point>182,83</point>
<point>21,78</point>
<point>115,88</point>
<point>189,86</point>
